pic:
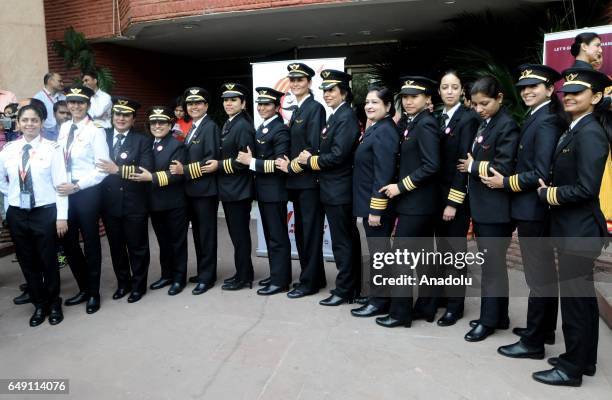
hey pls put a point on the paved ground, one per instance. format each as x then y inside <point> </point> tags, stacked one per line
<point>242,346</point>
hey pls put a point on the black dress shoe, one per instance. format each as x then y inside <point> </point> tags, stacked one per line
<point>368,310</point>
<point>556,377</point>
<point>272,289</point>
<point>193,279</point>
<point>335,300</point>
<point>175,289</point>
<point>231,279</point>
<point>55,313</point>
<point>134,297</point>
<point>237,285</point>
<point>363,300</point>
<point>23,298</point>
<point>297,293</point>
<point>200,288</point>
<point>549,337</point>
<point>23,287</point>
<point>119,293</point>
<point>449,318</point>
<point>38,317</point>
<point>265,282</point>
<point>160,283</point>
<point>521,350</point>
<point>389,322</point>
<point>93,305</point>
<point>502,325</point>
<point>478,333</point>
<point>589,370</point>
<point>79,298</point>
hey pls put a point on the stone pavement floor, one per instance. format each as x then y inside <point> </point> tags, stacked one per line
<point>238,345</point>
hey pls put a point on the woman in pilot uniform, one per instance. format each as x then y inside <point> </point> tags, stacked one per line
<point>271,143</point>
<point>167,201</point>
<point>31,168</point>
<point>417,194</point>
<point>577,225</point>
<point>83,144</point>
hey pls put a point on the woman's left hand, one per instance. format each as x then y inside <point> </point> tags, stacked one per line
<point>107,166</point>
<point>390,191</point>
<point>494,182</point>
<point>303,157</point>
<point>373,220</point>
<point>144,176</point>
<point>62,227</point>
<point>464,164</point>
<point>65,189</point>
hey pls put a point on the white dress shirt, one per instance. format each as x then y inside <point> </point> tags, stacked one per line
<point>46,167</point>
<point>88,146</point>
<point>49,100</point>
<point>264,124</point>
<point>574,122</point>
<point>100,108</point>
<point>194,127</point>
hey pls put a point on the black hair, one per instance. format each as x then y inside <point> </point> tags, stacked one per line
<point>487,85</point>
<point>48,76</point>
<point>452,72</point>
<point>346,90</point>
<point>386,95</point>
<point>584,37</point>
<point>34,108</point>
<point>40,105</point>
<point>12,106</point>
<point>180,102</point>
<point>90,72</point>
<point>58,104</point>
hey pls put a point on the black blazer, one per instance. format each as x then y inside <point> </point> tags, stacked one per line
<point>539,137</point>
<point>305,127</point>
<point>375,163</point>
<point>577,170</point>
<point>120,196</point>
<point>334,159</point>
<point>497,150</point>
<point>203,146</point>
<point>235,179</point>
<point>419,164</point>
<point>455,143</point>
<point>167,190</point>
<point>271,142</point>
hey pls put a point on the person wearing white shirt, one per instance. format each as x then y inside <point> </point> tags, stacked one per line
<point>31,167</point>
<point>83,144</point>
<point>100,102</point>
<point>50,94</point>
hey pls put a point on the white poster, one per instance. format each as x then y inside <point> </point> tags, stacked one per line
<point>274,75</point>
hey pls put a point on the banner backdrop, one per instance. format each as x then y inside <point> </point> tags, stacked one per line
<point>274,74</point>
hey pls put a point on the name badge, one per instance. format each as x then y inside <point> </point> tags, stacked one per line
<point>24,200</point>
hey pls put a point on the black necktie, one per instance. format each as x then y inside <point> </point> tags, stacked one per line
<point>73,128</point>
<point>443,118</point>
<point>561,139</point>
<point>190,133</point>
<point>117,146</point>
<point>479,133</point>
<point>27,185</point>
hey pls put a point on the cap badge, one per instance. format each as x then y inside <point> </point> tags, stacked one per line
<point>571,77</point>
<point>123,102</point>
<point>158,111</point>
<point>75,91</point>
<point>194,91</point>
<point>325,74</point>
<point>230,86</point>
<point>526,72</point>
<point>294,66</point>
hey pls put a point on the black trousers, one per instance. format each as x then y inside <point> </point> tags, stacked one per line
<point>579,312</point>
<point>451,236</point>
<point>170,227</point>
<point>238,219</point>
<point>309,223</point>
<point>346,246</point>
<point>202,212</point>
<point>493,241</point>
<point>379,241</point>
<point>541,276</point>
<point>128,238</point>
<point>83,219</point>
<point>34,233</point>
<point>414,233</point>
<point>274,221</point>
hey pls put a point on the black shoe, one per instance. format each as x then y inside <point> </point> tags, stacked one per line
<point>271,289</point>
<point>23,298</point>
<point>589,370</point>
<point>23,287</point>
<point>521,350</point>
<point>55,313</point>
<point>38,317</point>
<point>265,282</point>
<point>93,305</point>
<point>175,289</point>
<point>297,293</point>
<point>478,333</point>
<point>502,325</point>
<point>134,297</point>
<point>161,283</point>
<point>79,298</point>
<point>449,318</point>
<point>231,279</point>
<point>549,337</point>
<point>237,285</point>
<point>389,322</point>
<point>556,377</point>
<point>421,315</point>
<point>200,288</point>
<point>119,293</point>
<point>368,310</point>
<point>335,300</point>
<point>363,300</point>
<point>193,279</point>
